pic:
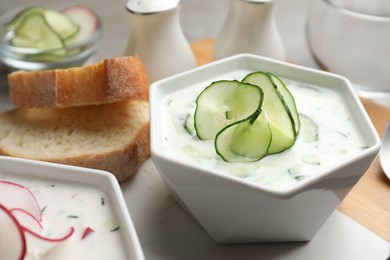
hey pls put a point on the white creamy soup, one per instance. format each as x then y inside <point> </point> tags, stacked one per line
<point>336,139</point>
<point>68,204</point>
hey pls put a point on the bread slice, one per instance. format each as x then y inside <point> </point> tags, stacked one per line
<point>111,137</point>
<point>111,80</point>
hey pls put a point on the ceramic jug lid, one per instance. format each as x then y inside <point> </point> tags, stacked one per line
<point>150,6</point>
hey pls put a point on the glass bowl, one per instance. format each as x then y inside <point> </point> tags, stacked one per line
<point>21,58</point>
<point>352,40</point>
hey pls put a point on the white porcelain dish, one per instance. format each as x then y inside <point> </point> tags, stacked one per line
<point>236,211</point>
<point>35,170</point>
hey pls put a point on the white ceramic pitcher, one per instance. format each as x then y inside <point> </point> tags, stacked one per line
<point>250,27</point>
<point>157,38</point>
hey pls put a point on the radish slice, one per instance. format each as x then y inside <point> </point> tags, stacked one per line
<point>20,223</point>
<point>13,195</point>
<point>12,239</point>
<point>85,18</point>
<point>87,231</point>
<point>49,239</point>
<point>25,219</point>
<point>44,244</point>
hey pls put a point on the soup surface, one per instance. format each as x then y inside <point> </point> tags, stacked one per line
<point>323,114</point>
<point>69,204</point>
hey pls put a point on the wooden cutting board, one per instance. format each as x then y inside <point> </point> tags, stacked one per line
<point>368,203</point>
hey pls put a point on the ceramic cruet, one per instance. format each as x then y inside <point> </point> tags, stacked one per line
<point>250,27</point>
<point>157,38</point>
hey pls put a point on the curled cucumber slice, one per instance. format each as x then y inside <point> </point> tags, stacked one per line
<point>277,112</point>
<point>289,102</point>
<point>223,103</point>
<point>247,140</point>
<point>247,120</point>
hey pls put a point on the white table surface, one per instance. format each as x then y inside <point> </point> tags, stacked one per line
<point>165,230</point>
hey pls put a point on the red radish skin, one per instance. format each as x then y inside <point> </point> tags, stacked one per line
<point>25,219</point>
<point>87,231</point>
<point>13,195</point>
<point>85,18</point>
<point>9,226</point>
<point>48,239</point>
<point>20,215</point>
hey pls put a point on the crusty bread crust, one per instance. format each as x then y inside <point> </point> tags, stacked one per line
<point>111,80</point>
<point>112,137</point>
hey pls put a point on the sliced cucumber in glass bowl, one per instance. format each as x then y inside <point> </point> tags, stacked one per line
<point>35,37</point>
<point>34,32</point>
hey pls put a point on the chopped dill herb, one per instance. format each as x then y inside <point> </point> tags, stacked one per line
<point>73,216</point>
<point>299,177</point>
<point>43,209</point>
<point>102,202</point>
<point>114,229</point>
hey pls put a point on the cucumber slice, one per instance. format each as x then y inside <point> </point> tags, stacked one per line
<point>223,103</point>
<point>289,101</point>
<point>309,130</point>
<point>313,159</point>
<point>296,172</point>
<point>62,24</point>
<point>34,32</point>
<point>17,20</point>
<point>247,140</point>
<point>194,152</point>
<point>190,124</point>
<point>59,22</point>
<point>276,112</point>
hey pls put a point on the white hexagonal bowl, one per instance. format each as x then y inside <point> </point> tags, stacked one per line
<point>235,211</point>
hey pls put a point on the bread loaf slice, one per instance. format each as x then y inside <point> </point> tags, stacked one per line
<point>111,137</point>
<point>111,80</point>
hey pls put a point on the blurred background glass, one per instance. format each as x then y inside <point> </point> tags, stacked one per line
<point>352,38</point>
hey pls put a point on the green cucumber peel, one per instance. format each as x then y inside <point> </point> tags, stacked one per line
<point>288,102</point>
